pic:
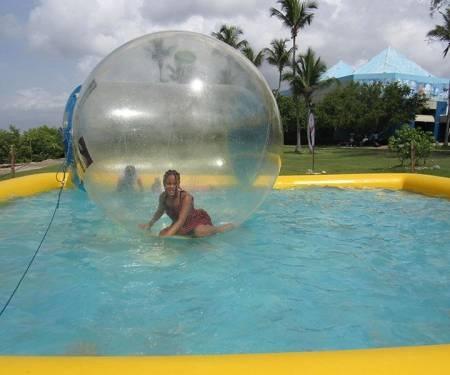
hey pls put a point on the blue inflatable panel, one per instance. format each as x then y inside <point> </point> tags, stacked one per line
<point>67,134</point>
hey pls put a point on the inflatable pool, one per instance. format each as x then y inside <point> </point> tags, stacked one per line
<point>431,359</point>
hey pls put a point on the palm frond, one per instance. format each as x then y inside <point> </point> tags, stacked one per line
<point>230,35</point>
<point>441,33</point>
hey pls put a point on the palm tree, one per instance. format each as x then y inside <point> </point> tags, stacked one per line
<point>278,55</point>
<point>438,4</point>
<point>295,14</point>
<point>231,35</point>
<point>305,79</point>
<point>159,53</point>
<point>184,66</point>
<point>441,33</point>
<point>250,54</point>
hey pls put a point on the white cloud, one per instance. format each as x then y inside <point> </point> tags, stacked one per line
<point>75,28</point>
<point>88,30</point>
<point>175,11</point>
<point>337,5</point>
<point>35,98</point>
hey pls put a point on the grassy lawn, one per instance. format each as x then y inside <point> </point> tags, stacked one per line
<point>358,160</point>
<point>336,160</point>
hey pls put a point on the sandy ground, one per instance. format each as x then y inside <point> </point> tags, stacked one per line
<point>30,166</point>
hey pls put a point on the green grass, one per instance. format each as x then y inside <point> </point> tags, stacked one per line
<point>335,160</point>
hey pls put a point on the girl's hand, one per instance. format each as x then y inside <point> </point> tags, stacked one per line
<point>165,232</point>
<point>144,226</point>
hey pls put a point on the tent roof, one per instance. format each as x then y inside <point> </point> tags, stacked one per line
<point>391,61</point>
<point>341,69</point>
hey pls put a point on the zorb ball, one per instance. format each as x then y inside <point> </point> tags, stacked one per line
<point>183,101</point>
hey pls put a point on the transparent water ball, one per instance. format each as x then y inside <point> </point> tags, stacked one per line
<point>183,101</point>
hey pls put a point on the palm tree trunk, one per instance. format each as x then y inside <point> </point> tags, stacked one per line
<point>298,146</point>
<point>308,135</point>
<point>293,54</point>
<point>447,125</point>
<point>447,129</point>
<point>279,84</point>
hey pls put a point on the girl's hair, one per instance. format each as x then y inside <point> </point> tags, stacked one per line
<point>171,172</point>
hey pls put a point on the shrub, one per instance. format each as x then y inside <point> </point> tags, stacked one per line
<point>412,144</point>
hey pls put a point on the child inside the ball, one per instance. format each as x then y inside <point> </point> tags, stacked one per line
<point>178,204</point>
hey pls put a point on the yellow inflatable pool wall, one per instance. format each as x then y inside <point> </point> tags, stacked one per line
<point>414,360</point>
<point>418,183</point>
<point>26,186</point>
<point>419,360</point>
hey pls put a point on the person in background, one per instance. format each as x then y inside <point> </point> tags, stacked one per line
<point>156,186</point>
<point>130,182</point>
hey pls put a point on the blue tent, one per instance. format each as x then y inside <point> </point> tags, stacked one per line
<point>390,66</point>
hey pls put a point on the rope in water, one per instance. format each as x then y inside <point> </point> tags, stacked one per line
<point>62,182</point>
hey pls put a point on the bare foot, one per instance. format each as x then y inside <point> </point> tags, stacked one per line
<point>225,228</point>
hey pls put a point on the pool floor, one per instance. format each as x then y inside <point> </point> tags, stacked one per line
<point>313,269</point>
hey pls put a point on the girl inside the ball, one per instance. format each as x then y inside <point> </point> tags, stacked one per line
<point>178,204</point>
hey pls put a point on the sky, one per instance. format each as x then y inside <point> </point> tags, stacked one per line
<point>48,47</point>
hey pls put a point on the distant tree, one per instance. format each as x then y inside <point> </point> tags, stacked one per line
<point>399,105</point>
<point>160,53</point>
<point>341,108</point>
<point>35,144</point>
<point>296,15</point>
<point>288,108</point>
<point>184,66</point>
<point>278,55</point>
<point>250,54</point>
<point>305,80</point>
<point>231,35</point>
<point>369,108</point>
<point>8,138</point>
<point>43,143</point>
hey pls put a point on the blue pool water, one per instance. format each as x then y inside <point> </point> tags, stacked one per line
<point>312,270</point>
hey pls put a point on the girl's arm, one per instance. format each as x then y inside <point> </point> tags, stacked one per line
<point>186,206</point>
<point>157,215</point>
